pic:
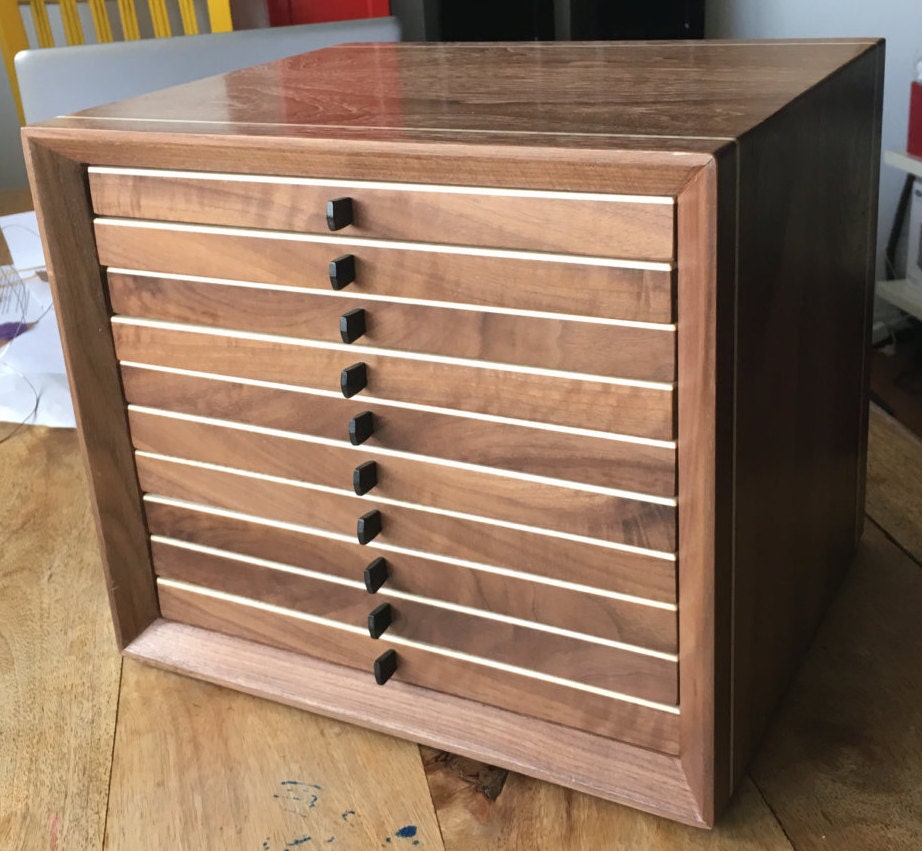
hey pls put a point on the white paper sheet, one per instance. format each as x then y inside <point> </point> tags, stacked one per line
<point>32,363</point>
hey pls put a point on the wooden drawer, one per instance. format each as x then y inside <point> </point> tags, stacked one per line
<point>596,348</point>
<point>638,520</point>
<point>608,666</point>
<point>635,227</point>
<point>644,409</point>
<point>512,688</point>
<point>598,564</point>
<point>572,455</point>
<point>526,281</point>
<point>641,621</point>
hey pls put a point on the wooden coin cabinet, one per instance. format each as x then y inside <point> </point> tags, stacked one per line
<point>510,399</point>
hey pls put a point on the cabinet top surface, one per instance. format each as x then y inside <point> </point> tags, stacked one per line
<point>689,96</point>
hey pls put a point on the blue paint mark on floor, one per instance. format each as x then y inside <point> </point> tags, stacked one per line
<point>347,814</point>
<point>294,843</point>
<point>407,832</point>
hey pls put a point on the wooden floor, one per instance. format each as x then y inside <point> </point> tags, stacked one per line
<point>99,752</point>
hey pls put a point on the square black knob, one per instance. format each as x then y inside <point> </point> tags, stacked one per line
<point>352,325</point>
<point>385,666</point>
<point>376,575</point>
<point>368,526</point>
<point>379,620</point>
<point>342,271</point>
<point>361,427</point>
<point>364,477</point>
<point>353,378</point>
<point>339,213</point>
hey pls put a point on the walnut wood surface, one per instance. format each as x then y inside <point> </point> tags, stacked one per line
<point>602,716</point>
<point>800,413</point>
<point>515,283</point>
<point>568,658</point>
<point>613,350</point>
<point>603,516</point>
<point>713,89</point>
<point>580,403</point>
<point>83,321</point>
<point>640,231</point>
<point>516,596</point>
<point>435,534</point>
<point>573,457</point>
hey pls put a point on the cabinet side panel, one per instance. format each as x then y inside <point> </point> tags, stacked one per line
<point>808,180</point>
<point>62,203</point>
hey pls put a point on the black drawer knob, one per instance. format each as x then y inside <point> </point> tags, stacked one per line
<point>342,271</point>
<point>379,620</point>
<point>353,378</point>
<point>352,325</point>
<point>368,526</point>
<point>365,477</point>
<point>339,213</point>
<point>376,575</point>
<point>385,666</point>
<point>361,427</point>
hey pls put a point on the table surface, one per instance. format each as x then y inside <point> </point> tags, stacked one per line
<point>101,752</point>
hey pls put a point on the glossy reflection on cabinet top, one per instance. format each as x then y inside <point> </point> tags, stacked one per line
<point>635,94</point>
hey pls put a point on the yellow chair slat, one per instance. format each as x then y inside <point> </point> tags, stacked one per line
<point>159,18</point>
<point>130,29</point>
<point>70,18</point>
<point>13,38</point>
<point>101,22</point>
<point>219,16</point>
<point>187,13</point>
<point>42,24</point>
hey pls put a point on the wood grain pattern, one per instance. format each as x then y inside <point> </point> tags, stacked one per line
<point>83,321</point>
<point>579,403</point>
<point>400,91</point>
<point>614,350</point>
<point>603,516</point>
<point>566,657</point>
<point>840,762</point>
<point>642,231</point>
<point>574,457</point>
<point>581,710</point>
<point>264,776</point>
<point>518,596</point>
<point>59,669</point>
<point>895,481</point>
<point>382,270</point>
<point>803,452</point>
<point>434,534</point>
<point>535,815</point>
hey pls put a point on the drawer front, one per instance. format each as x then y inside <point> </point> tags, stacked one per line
<point>513,280</point>
<point>613,226</point>
<point>649,623</point>
<point>596,348</point>
<point>598,564</point>
<point>643,409</point>
<point>511,688</point>
<point>603,665</point>
<point>549,504</point>
<point>643,467</point>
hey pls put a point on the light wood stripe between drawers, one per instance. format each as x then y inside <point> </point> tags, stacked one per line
<point>392,403</point>
<point>489,521</point>
<point>422,302</point>
<point>428,601</point>
<point>347,348</point>
<point>460,562</point>
<point>376,184</point>
<point>397,245</point>
<point>383,452</point>
<point>429,648</point>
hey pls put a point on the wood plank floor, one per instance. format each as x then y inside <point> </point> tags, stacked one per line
<point>103,753</point>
